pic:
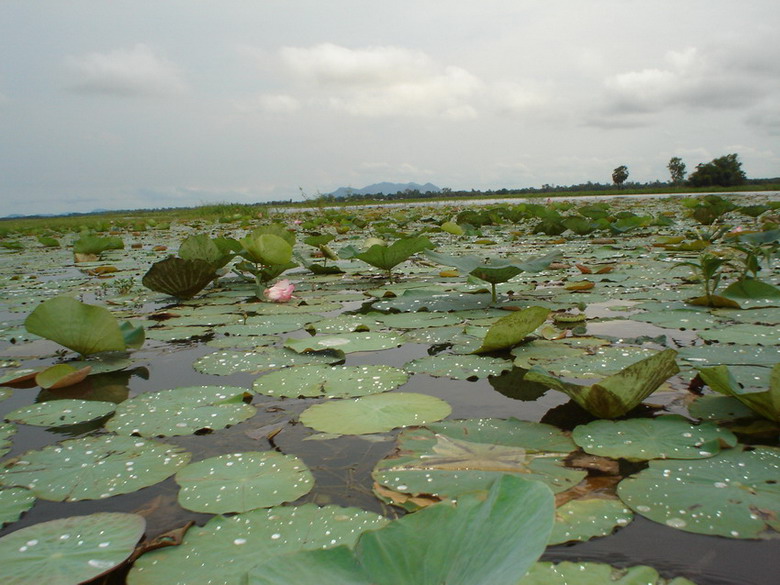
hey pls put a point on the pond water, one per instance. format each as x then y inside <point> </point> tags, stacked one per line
<point>342,466</point>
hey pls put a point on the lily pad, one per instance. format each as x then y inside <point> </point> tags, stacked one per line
<point>734,494</point>
<point>91,468</point>
<point>664,437</point>
<point>13,503</point>
<point>181,411</point>
<point>268,324</point>
<point>489,539</point>
<point>617,394</point>
<point>57,413</point>
<point>512,329</point>
<point>69,551</point>
<point>239,482</point>
<point>61,376</point>
<point>225,549</point>
<point>263,359</point>
<point>346,342</point>
<point>719,408</point>
<point>743,333</point>
<point>459,367</point>
<point>454,457</point>
<point>374,414</point>
<point>570,573</point>
<point>330,382</point>
<point>581,520</point>
<point>7,430</point>
<point>434,300</point>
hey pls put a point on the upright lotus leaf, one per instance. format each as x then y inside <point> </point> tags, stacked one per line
<point>388,257</point>
<point>134,336</point>
<point>225,549</point>
<point>512,329</point>
<point>203,247</point>
<point>178,277</point>
<point>615,395</point>
<point>733,494</point>
<point>69,551</point>
<point>86,329</point>
<point>91,244</point>
<point>766,403</point>
<point>239,482</point>
<point>93,467</point>
<point>492,538</point>
<point>664,437</point>
<point>266,249</point>
<point>493,270</point>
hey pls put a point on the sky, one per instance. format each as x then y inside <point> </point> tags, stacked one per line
<point>173,103</point>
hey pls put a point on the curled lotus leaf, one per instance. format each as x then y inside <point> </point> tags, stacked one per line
<point>766,403</point>
<point>178,277</point>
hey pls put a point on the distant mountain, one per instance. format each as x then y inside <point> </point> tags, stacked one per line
<point>386,189</point>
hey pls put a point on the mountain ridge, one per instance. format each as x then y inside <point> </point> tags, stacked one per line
<point>386,188</point>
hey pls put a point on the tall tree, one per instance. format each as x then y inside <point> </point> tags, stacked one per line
<point>725,171</point>
<point>677,169</point>
<point>619,175</point>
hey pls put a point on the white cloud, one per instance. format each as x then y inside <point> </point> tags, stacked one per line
<point>129,72</point>
<point>276,103</point>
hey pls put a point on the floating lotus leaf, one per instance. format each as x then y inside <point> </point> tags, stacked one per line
<point>346,342</point>
<point>226,548</point>
<point>766,403</point>
<point>244,342</point>
<point>434,300</point>
<point>569,573</point>
<point>543,351</point>
<point>374,414</point>
<point>454,457</point>
<point>603,361</point>
<point>719,408</point>
<point>13,503</point>
<point>734,494</point>
<point>343,324</point>
<point>17,376</point>
<point>178,277</point>
<point>86,329</point>
<point>239,482</point>
<point>178,333</point>
<point>458,367</point>
<point>268,324</point>
<point>330,381</point>
<point>61,376</point>
<point>181,411</point>
<point>512,329</point>
<point>7,430</point>
<point>440,335</point>
<point>416,320</point>
<point>765,316</point>
<point>102,364</point>
<point>744,333</point>
<point>617,394</point>
<point>588,518</point>
<point>57,413</point>
<point>5,393</point>
<point>262,359</point>
<point>664,437</point>
<point>680,319</point>
<point>488,539</point>
<point>69,551</point>
<point>729,355</point>
<point>91,468</point>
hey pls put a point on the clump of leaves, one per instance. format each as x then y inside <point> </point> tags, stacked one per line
<point>267,252</point>
<point>89,247</point>
<point>709,269</point>
<point>86,329</point>
<point>388,257</point>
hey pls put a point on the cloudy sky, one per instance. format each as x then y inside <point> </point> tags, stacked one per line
<point>150,103</point>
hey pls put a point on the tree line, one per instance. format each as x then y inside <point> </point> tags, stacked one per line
<point>724,171</point>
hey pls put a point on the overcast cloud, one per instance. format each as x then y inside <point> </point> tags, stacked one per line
<point>124,104</point>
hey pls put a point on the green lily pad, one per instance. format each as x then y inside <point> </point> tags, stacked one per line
<point>13,503</point>
<point>57,413</point>
<point>61,376</point>
<point>729,355</point>
<point>542,351</point>
<point>7,430</point>
<point>458,367</point>
<point>225,549</point>
<point>434,300</point>
<point>181,411</point>
<point>489,539</point>
<point>262,359</point>
<point>91,468</point>
<point>86,329</point>
<point>454,457</point>
<point>605,360</point>
<point>342,324</point>
<point>69,551</point>
<point>512,329</point>
<point>330,381</point>
<point>766,403</point>
<point>588,518</point>
<point>617,394</point>
<point>374,414</point>
<point>346,342</point>
<point>239,482</point>
<point>268,324</point>
<point>664,437</point>
<point>744,333</point>
<point>734,494</point>
<point>416,320</point>
<point>178,333</point>
<point>719,408</point>
<point>680,319</point>
<point>570,573</point>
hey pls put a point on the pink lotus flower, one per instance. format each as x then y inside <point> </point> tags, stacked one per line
<point>281,292</point>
